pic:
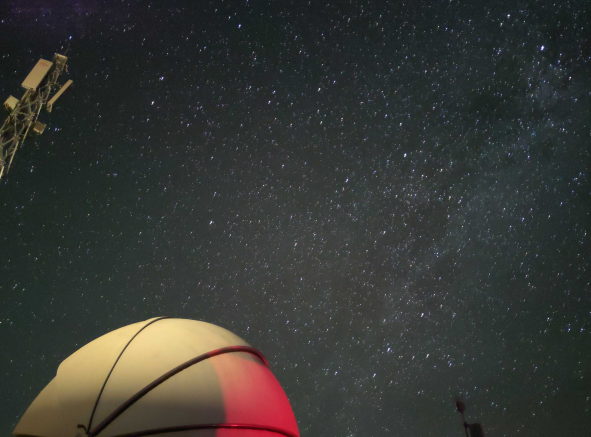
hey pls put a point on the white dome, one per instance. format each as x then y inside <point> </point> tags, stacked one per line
<point>221,386</point>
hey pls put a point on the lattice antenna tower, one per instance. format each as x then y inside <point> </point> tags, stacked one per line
<point>23,113</point>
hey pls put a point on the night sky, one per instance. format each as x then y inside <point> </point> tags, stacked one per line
<point>391,200</point>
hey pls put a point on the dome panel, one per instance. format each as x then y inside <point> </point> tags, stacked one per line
<point>76,386</point>
<point>233,388</point>
<point>190,397</point>
<point>161,347</point>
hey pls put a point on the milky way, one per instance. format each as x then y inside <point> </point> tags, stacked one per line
<point>391,201</point>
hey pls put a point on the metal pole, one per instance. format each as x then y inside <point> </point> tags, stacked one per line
<point>461,407</point>
<point>464,424</point>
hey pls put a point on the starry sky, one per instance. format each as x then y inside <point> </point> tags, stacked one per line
<point>391,200</point>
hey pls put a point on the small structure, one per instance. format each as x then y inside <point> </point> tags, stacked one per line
<point>474,429</point>
<point>38,128</point>
<point>162,377</point>
<point>10,103</point>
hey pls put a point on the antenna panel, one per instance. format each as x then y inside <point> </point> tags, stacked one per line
<point>37,74</point>
<point>10,103</point>
<point>56,96</point>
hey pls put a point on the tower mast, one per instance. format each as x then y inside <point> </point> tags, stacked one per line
<point>23,113</point>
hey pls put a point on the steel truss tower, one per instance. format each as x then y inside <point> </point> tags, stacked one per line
<point>22,119</point>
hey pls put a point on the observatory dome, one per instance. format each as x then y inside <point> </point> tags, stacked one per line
<point>162,377</point>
